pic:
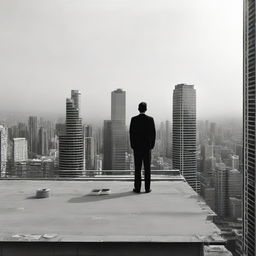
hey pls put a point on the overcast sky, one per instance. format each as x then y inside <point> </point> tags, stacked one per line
<point>145,47</point>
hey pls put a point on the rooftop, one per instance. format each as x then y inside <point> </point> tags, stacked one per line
<point>172,212</point>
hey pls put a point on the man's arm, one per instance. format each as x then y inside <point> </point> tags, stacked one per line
<point>131,131</point>
<point>153,133</point>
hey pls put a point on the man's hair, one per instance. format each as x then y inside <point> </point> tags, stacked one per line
<point>143,107</point>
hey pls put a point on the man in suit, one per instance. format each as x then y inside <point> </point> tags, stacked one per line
<point>142,138</point>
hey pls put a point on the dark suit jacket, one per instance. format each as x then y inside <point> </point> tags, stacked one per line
<point>142,132</point>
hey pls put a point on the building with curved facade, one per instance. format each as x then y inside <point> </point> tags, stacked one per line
<point>184,132</point>
<point>71,145</point>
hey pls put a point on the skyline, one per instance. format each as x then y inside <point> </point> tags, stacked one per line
<point>51,47</point>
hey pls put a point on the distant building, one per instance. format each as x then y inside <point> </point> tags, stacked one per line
<point>107,147</point>
<point>3,149</point>
<point>20,150</point>
<point>89,148</point>
<point>43,146</point>
<point>234,162</point>
<point>184,132</point>
<point>71,144</point>
<point>33,135</point>
<point>118,130</point>
<point>221,189</point>
<point>235,194</point>
<point>168,139</point>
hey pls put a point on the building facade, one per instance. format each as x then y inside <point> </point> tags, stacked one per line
<point>184,132</point>
<point>118,130</point>
<point>20,150</point>
<point>3,149</point>
<point>249,111</point>
<point>71,144</point>
<point>107,140</point>
<point>33,135</point>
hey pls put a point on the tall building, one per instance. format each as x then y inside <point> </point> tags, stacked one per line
<point>118,129</point>
<point>89,148</point>
<point>33,135</point>
<point>168,139</point>
<point>3,149</point>
<point>71,145</point>
<point>221,189</point>
<point>184,132</point>
<point>43,146</point>
<point>249,110</point>
<point>20,150</point>
<point>107,158</point>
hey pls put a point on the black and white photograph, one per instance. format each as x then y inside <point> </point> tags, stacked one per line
<point>127,127</point>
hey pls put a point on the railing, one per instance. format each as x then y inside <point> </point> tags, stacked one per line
<point>87,174</point>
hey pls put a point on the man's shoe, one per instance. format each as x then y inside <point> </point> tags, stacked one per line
<point>136,191</point>
<point>148,190</point>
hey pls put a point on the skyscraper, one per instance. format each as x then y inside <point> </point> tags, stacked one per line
<point>33,135</point>
<point>71,145</point>
<point>3,149</point>
<point>89,147</point>
<point>184,132</point>
<point>43,142</point>
<point>20,150</point>
<point>118,129</point>
<point>249,110</point>
<point>107,159</point>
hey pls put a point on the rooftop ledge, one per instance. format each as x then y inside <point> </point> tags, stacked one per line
<point>172,212</point>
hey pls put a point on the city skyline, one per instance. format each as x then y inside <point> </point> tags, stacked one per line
<point>144,48</point>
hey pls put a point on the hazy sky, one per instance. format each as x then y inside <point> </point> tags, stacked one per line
<point>145,47</point>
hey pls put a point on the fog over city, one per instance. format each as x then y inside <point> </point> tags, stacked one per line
<point>144,47</point>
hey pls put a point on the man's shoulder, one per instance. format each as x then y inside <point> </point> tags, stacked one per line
<point>144,116</point>
<point>135,117</point>
<point>149,117</point>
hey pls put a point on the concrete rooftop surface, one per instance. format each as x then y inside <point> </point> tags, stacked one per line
<point>172,212</point>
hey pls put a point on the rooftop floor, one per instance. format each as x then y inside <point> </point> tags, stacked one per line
<point>172,212</point>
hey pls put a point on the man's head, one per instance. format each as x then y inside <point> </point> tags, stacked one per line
<point>142,107</point>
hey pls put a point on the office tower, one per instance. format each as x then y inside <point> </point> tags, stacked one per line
<point>20,150</point>
<point>168,139</point>
<point>249,110</point>
<point>234,162</point>
<point>43,146</point>
<point>234,193</point>
<point>162,138</point>
<point>89,148</point>
<point>22,130</point>
<point>71,146</point>
<point>221,189</point>
<point>184,132</point>
<point>3,149</point>
<point>33,135</point>
<point>118,129</point>
<point>212,133</point>
<point>107,147</point>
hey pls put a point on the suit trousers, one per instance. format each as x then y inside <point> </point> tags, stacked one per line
<point>145,157</point>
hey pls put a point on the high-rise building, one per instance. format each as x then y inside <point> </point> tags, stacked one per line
<point>184,132</point>
<point>71,145</point>
<point>168,139</point>
<point>89,148</point>
<point>43,146</point>
<point>33,135</point>
<point>118,129</point>
<point>249,128</point>
<point>221,189</point>
<point>107,158</point>
<point>3,149</point>
<point>20,150</point>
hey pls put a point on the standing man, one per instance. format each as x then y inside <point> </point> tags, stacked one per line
<point>142,138</point>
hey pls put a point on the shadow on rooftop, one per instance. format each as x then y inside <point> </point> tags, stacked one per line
<point>91,198</point>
